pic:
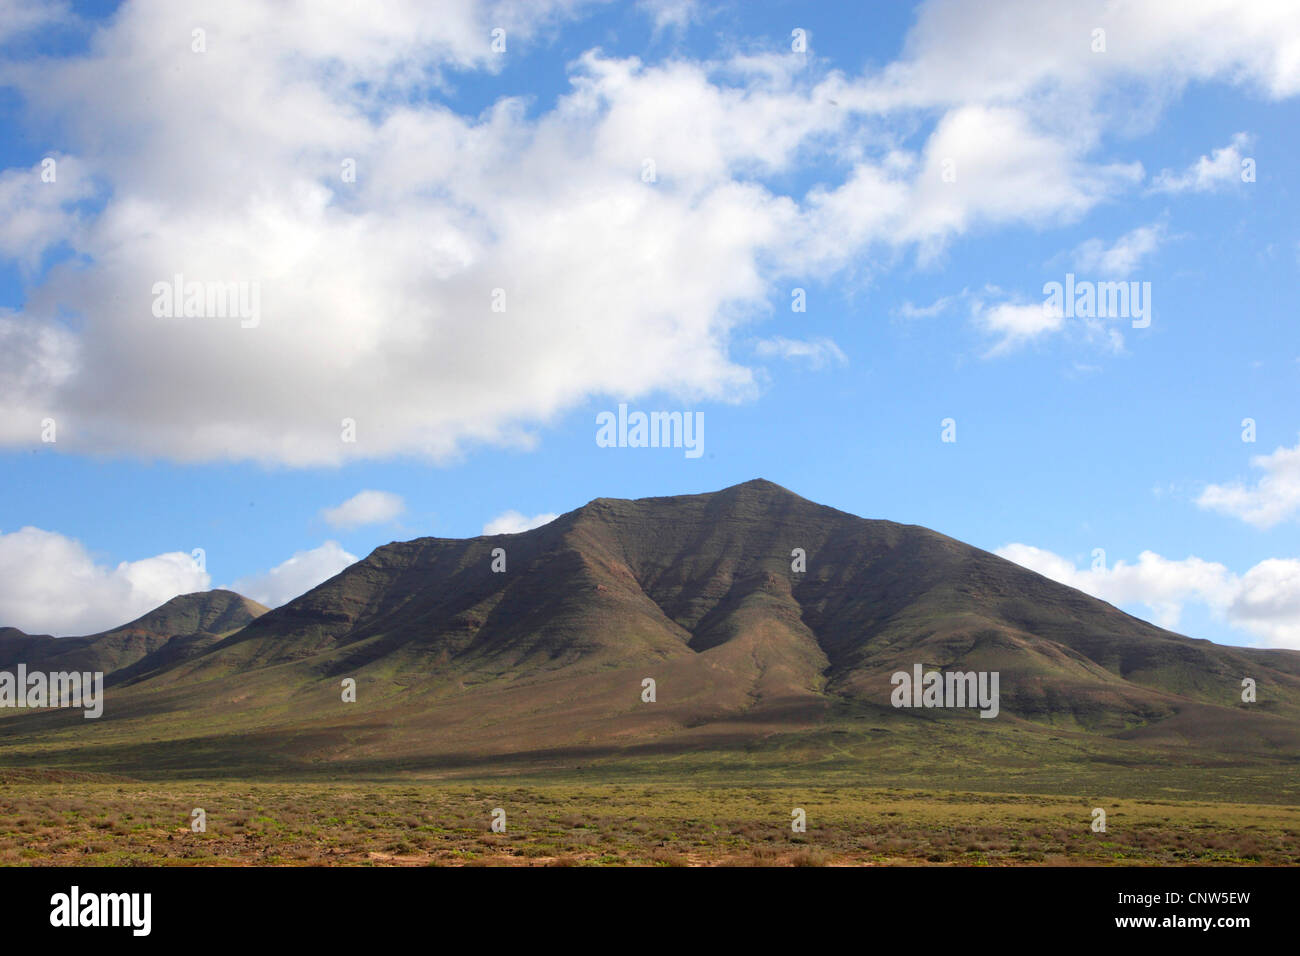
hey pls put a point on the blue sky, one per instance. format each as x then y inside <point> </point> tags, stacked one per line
<point>524,170</point>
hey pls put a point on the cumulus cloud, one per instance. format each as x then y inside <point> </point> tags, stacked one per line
<point>513,522</point>
<point>365,507</point>
<point>1044,53</point>
<point>1274,498</point>
<point>296,576</point>
<point>50,584</point>
<point>987,165</point>
<point>1264,602</point>
<point>38,207</point>
<point>483,274</point>
<point>815,353</point>
<point>1222,168</point>
<point>1267,602</point>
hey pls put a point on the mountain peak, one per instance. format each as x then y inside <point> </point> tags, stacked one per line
<point>171,632</point>
<point>216,612</point>
<point>752,488</point>
<point>760,484</point>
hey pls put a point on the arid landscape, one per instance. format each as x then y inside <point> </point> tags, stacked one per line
<point>129,823</point>
<point>847,451</point>
<point>509,672</point>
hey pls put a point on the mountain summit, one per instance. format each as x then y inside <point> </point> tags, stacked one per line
<point>759,616</point>
<point>192,620</point>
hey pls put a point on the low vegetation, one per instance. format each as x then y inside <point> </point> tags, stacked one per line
<point>62,822</point>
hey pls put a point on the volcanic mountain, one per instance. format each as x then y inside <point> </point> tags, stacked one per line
<point>769,625</point>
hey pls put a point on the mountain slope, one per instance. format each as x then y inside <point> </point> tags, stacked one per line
<point>458,665</point>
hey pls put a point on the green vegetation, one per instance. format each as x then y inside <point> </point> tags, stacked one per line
<point>128,823</point>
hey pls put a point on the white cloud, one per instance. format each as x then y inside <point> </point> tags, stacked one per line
<point>1042,53</point>
<point>50,584</point>
<point>19,17</point>
<point>1123,256</point>
<point>815,353</point>
<point>296,576</point>
<point>1273,499</point>
<point>1221,168</point>
<point>376,295</point>
<point>35,358</point>
<point>1015,325</point>
<point>37,208</point>
<point>1264,602</point>
<point>1268,602</point>
<point>670,13</point>
<point>365,507</point>
<point>1004,168</point>
<point>940,305</point>
<point>513,522</point>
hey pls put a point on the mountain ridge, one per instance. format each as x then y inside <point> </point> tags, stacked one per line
<point>538,642</point>
<point>198,618</point>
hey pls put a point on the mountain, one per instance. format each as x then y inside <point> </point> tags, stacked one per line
<point>184,625</point>
<point>460,667</point>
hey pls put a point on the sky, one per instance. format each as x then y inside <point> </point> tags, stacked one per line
<point>422,250</point>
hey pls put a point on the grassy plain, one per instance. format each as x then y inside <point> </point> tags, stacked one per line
<point>62,819</point>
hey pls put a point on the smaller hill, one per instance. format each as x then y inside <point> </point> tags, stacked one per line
<point>170,632</point>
